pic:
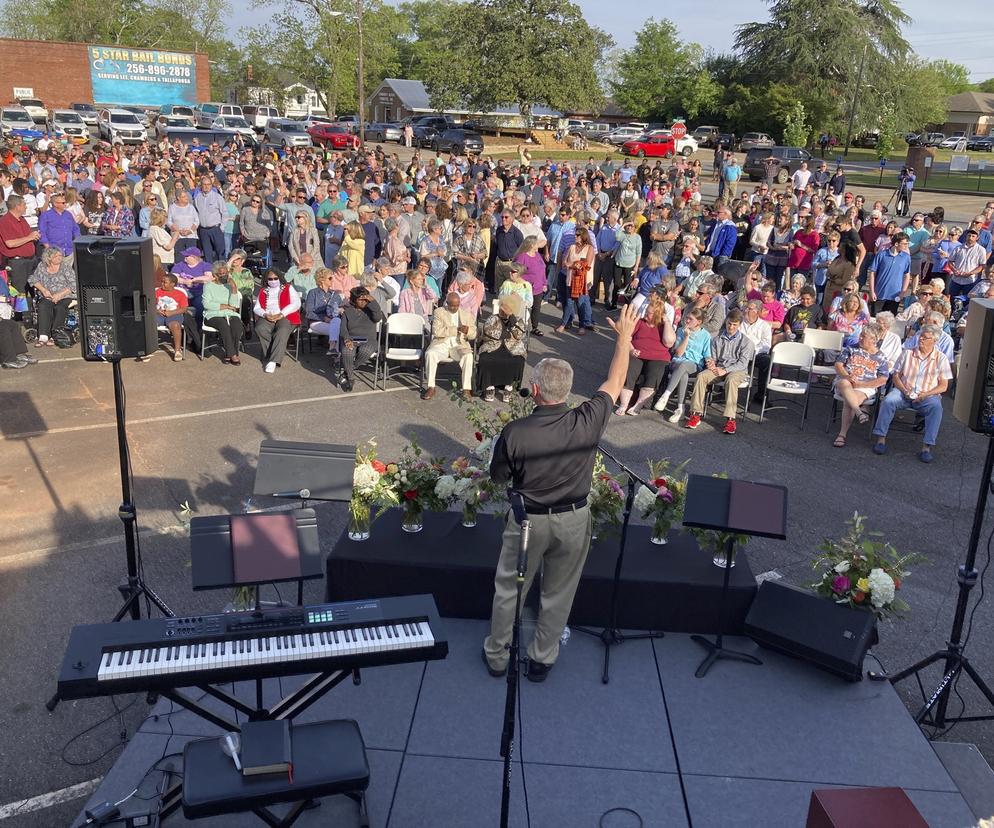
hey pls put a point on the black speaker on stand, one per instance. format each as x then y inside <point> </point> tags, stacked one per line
<point>116,291</point>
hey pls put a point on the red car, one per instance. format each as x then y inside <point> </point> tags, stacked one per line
<point>655,146</point>
<point>336,136</point>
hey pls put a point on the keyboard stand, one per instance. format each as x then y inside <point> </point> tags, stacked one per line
<point>290,706</point>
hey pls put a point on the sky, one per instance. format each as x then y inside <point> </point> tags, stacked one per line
<point>933,33</point>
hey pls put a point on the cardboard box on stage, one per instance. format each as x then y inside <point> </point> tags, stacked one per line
<point>863,808</point>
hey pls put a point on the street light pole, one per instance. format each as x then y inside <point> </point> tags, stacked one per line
<point>855,92</point>
<point>359,84</point>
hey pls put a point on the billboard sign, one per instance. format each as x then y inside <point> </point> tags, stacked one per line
<point>142,77</point>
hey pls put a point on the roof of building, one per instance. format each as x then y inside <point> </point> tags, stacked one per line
<point>980,102</point>
<point>414,96</point>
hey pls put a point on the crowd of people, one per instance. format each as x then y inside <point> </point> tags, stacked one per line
<point>332,243</point>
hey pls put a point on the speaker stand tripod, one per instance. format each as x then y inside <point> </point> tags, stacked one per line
<point>953,654</point>
<point>135,588</point>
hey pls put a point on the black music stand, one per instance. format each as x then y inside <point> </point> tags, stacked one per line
<point>308,471</point>
<point>742,507</point>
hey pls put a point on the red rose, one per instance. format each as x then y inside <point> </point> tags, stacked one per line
<point>659,482</point>
<point>897,583</point>
<point>858,596</point>
<point>479,436</point>
<point>410,494</point>
<point>380,467</point>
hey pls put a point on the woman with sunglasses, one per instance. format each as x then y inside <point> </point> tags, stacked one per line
<point>255,223</point>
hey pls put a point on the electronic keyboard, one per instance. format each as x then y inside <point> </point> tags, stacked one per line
<point>166,653</point>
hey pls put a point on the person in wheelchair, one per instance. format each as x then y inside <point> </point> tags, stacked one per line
<point>502,348</point>
<point>54,282</point>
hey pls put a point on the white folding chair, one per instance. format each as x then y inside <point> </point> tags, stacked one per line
<point>360,369</point>
<point>823,341</point>
<point>163,329</point>
<point>404,324</point>
<point>793,355</point>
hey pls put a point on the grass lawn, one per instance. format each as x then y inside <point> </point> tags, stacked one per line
<point>962,182</point>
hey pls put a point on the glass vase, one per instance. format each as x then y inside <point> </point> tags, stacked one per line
<point>469,511</point>
<point>413,520</point>
<point>660,531</point>
<point>722,558</point>
<point>359,520</point>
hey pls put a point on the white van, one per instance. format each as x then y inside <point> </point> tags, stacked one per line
<point>258,116</point>
<point>205,114</point>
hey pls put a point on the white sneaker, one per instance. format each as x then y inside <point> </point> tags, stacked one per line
<point>676,416</point>
<point>177,356</point>
<point>270,367</point>
<point>661,402</point>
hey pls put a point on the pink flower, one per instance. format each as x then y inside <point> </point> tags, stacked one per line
<point>840,584</point>
<point>665,495</point>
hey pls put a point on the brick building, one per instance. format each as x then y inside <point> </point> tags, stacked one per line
<point>59,73</point>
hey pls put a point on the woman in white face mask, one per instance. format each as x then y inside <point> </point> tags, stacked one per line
<point>277,313</point>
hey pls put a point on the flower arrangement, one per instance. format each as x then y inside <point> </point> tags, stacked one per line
<point>487,420</point>
<point>606,499</point>
<point>414,479</point>
<point>470,486</point>
<point>664,505</point>
<point>862,571</point>
<point>371,486</point>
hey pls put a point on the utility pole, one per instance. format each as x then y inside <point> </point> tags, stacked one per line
<point>855,93</point>
<point>359,83</point>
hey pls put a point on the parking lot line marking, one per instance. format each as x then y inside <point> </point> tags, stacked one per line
<point>210,413</point>
<point>39,803</point>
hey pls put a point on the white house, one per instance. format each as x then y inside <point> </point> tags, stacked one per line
<point>298,99</point>
<point>970,112</point>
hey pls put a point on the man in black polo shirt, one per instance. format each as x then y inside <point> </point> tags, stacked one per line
<point>507,240</point>
<point>548,457</point>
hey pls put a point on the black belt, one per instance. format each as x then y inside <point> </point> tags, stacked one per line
<point>555,510</point>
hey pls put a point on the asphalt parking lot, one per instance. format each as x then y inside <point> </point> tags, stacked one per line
<point>195,429</point>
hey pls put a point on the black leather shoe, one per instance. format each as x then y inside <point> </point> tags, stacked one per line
<point>537,671</point>
<point>491,670</point>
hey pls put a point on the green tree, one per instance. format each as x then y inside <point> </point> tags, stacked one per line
<point>796,130</point>
<point>524,52</point>
<point>661,77</point>
<point>984,86</point>
<point>954,77</point>
<point>885,140</point>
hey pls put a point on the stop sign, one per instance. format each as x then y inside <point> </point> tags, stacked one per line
<point>679,130</point>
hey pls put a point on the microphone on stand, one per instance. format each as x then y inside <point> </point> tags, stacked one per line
<point>303,494</point>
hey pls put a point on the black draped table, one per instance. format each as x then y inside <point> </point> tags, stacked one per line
<point>672,587</point>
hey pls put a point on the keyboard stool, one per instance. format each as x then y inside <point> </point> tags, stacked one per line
<point>329,759</point>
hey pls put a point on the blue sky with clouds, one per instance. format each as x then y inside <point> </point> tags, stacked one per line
<point>933,33</point>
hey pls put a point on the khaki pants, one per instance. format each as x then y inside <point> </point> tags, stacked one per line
<point>732,382</point>
<point>440,352</point>
<point>558,544</point>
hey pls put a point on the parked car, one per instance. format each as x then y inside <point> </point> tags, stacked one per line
<point>932,139</point>
<point>15,120</point>
<point>619,136</point>
<point>705,135</point>
<point>653,146</point>
<point>164,123</point>
<point>685,146</point>
<point>202,138</point>
<point>596,131</point>
<point>725,140</point>
<point>790,159</point>
<point>350,121</point>
<point>458,140</point>
<point>381,131</point>
<point>258,116</point>
<point>576,125</point>
<point>118,126</point>
<point>424,135</point>
<point>35,108</point>
<point>145,118</point>
<point>176,110</point>
<point>88,112</point>
<point>66,125</point>
<point>953,140</point>
<point>437,122</point>
<point>287,132</point>
<point>205,113</point>
<point>236,123</point>
<point>336,136</point>
<point>980,143</point>
<point>867,140</point>
<point>756,140</point>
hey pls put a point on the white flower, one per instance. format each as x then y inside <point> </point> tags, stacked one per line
<point>881,588</point>
<point>365,478</point>
<point>842,567</point>
<point>465,489</point>
<point>645,501</point>
<point>445,487</point>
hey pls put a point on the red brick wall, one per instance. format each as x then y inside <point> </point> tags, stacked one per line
<point>59,72</point>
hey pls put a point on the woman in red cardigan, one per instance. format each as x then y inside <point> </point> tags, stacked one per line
<point>651,342</point>
<point>277,313</point>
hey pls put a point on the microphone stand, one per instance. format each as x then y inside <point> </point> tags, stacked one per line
<point>611,635</point>
<point>513,674</point>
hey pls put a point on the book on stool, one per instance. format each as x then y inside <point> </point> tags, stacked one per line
<point>266,748</point>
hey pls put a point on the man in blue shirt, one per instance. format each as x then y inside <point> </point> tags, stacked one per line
<point>211,213</point>
<point>607,241</point>
<point>889,276</point>
<point>57,227</point>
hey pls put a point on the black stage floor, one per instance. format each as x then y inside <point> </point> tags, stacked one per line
<point>744,746</point>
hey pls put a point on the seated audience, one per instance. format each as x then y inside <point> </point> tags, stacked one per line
<point>860,370</point>
<point>731,353</point>
<point>470,291</point>
<point>223,312</point>
<point>773,309</point>
<point>322,309</point>
<point>358,341</point>
<point>277,314</point>
<point>452,332</point>
<point>54,281</point>
<point>301,274</point>
<point>690,351</point>
<point>712,310</point>
<point>170,306</point>
<point>651,342</point>
<point>758,330</point>
<point>502,348</point>
<point>943,342</point>
<point>417,297</point>
<point>890,343</point>
<point>921,377</point>
<point>805,314</point>
<point>849,319</point>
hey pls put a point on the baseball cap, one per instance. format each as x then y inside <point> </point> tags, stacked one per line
<point>409,200</point>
